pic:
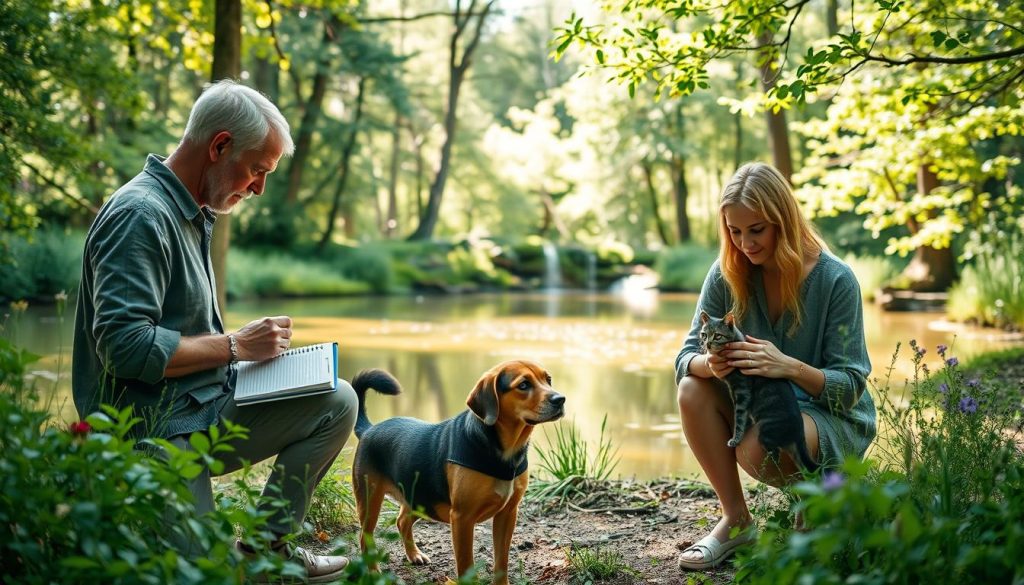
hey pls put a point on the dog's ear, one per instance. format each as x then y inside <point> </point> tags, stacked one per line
<point>483,400</point>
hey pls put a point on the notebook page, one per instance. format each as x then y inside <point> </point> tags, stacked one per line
<point>295,369</point>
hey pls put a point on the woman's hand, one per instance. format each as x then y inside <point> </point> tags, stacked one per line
<point>719,366</point>
<point>757,357</point>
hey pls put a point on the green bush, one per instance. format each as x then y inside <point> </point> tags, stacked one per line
<point>83,504</point>
<point>872,272</point>
<point>940,504</point>
<point>991,289</point>
<point>278,275</point>
<point>683,268</point>
<point>49,263</point>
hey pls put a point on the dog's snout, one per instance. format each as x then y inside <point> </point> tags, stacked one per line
<point>557,399</point>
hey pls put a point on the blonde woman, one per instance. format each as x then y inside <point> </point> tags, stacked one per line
<point>800,308</point>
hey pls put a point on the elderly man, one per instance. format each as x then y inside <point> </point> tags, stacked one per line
<point>149,333</point>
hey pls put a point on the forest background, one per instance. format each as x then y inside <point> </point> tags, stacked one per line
<point>439,144</point>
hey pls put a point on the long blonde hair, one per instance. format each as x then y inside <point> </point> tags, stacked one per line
<point>762,189</point>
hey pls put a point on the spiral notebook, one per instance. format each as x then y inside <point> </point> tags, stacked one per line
<point>302,371</point>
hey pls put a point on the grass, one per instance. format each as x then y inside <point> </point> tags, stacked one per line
<point>588,565</point>
<point>683,268</point>
<point>333,505</point>
<point>872,272</point>
<point>568,465</point>
<point>280,275</point>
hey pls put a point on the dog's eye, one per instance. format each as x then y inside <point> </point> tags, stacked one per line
<point>549,379</point>
<point>524,385</point>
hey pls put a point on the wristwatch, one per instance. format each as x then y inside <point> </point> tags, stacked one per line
<point>233,348</point>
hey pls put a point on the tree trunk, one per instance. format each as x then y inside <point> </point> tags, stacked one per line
<point>227,64</point>
<point>310,117</point>
<point>931,269</point>
<point>681,194</point>
<point>457,73</point>
<point>737,118</point>
<point>652,194</point>
<point>832,17</point>
<point>345,165</point>
<point>391,223</point>
<point>778,131</point>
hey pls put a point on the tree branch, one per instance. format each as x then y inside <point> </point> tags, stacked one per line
<point>81,202</point>
<point>983,58</point>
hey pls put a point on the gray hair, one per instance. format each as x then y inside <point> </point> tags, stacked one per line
<point>244,112</point>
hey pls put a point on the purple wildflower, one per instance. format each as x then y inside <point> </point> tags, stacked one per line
<point>942,349</point>
<point>968,405</point>
<point>973,383</point>
<point>832,481</point>
<point>921,351</point>
<point>952,362</point>
<point>944,387</point>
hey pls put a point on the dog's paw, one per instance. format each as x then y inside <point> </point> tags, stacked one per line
<point>418,558</point>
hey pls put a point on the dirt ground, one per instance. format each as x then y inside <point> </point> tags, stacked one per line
<point>646,524</point>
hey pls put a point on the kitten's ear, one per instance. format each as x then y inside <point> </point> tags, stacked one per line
<point>730,320</point>
<point>704,317</point>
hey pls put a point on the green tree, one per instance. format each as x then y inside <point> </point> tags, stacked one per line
<point>926,63</point>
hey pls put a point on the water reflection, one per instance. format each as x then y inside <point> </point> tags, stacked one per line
<point>609,354</point>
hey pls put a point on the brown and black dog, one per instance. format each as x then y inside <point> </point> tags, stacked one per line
<point>463,470</point>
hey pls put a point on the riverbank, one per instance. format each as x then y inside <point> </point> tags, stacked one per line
<point>633,530</point>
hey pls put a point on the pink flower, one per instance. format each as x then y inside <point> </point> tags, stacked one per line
<point>80,428</point>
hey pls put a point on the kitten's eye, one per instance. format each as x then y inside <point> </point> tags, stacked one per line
<point>524,385</point>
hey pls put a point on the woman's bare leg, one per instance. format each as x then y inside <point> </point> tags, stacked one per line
<point>707,416</point>
<point>753,459</point>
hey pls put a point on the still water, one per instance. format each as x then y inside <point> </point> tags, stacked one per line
<point>610,354</point>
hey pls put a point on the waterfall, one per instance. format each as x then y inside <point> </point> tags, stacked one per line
<point>552,269</point>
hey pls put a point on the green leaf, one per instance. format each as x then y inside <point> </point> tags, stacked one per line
<point>951,44</point>
<point>600,56</point>
<point>79,563</point>
<point>938,37</point>
<point>199,442</point>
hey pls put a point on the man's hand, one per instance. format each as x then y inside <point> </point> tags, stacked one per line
<point>264,338</point>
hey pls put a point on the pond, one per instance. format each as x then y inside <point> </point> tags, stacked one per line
<point>610,354</point>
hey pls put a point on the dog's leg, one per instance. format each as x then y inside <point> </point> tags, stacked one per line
<point>369,492</point>
<point>502,528</point>
<point>406,518</point>
<point>462,541</point>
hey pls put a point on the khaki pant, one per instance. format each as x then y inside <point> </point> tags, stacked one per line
<point>306,434</point>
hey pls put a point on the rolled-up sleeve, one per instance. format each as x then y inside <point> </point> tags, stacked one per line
<point>844,353</point>
<point>714,299</point>
<point>130,262</point>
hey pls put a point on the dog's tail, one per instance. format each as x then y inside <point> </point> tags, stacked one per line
<point>380,381</point>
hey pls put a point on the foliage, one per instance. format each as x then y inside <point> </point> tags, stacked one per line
<point>58,74</point>
<point>646,43</point>
<point>83,503</point>
<point>936,506</point>
<point>589,565</point>
<point>567,465</point>
<point>990,289</point>
<point>280,275</point>
<point>332,506</point>
<point>912,88</point>
<point>47,263</point>
<point>683,268</point>
<point>872,272</point>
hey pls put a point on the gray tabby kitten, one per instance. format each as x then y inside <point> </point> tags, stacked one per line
<point>769,402</point>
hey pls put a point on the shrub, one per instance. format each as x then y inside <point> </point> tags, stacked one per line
<point>938,505</point>
<point>872,272</point>
<point>49,263</point>
<point>683,268</point>
<point>991,290</point>
<point>279,275</point>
